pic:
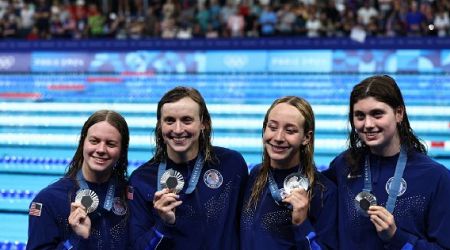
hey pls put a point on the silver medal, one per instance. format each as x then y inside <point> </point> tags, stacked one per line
<point>88,199</point>
<point>363,201</point>
<point>295,180</point>
<point>173,180</point>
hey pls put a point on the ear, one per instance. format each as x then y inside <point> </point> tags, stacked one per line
<point>307,138</point>
<point>399,114</point>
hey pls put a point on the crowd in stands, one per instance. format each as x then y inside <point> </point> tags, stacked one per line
<point>135,19</point>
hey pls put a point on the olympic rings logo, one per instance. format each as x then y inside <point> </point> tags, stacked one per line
<point>6,62</point>
<point>235,61</point>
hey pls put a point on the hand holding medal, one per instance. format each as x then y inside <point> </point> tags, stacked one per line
<point>383,221</point>
<point>79,220</point>
<point>294,192</point>
<point>166,200</point>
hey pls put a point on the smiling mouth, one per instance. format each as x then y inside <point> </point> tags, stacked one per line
<point>276,148</point>
<point>371,132</point>
<point>100,160</point>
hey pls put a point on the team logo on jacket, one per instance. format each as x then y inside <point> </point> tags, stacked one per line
<point>213,178</point>
<point>119,207</point>
<point>403,186</point>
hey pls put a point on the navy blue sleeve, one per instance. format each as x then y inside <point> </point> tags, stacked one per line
<point>438,221</point>
<point>145,231</point>
<point>322,233</point>
<point>43,230</point>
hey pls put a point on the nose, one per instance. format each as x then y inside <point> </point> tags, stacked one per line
<point>279,136</point>
<point>101,147</point>
<point>178,129</point>
<point>368,123</point>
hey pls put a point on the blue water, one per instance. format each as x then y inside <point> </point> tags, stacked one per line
<point>38,138</point>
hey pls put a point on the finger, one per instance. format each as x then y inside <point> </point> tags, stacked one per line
<point>167,196</point>
<point>378,222</point>
<point>165,201</point>
<point>76,205</point>
<point>160,194</point>
<point>381,212</point>
<point>78,214</point>
<point>378,227</point>
<point>171,206</point>
<point>297,195</point>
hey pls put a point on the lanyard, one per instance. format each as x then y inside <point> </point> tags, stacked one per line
<point>276,193</point>
<point>395,185</point>
<point>273,187</point>
<point>109,194</point>
<point>194,176</point>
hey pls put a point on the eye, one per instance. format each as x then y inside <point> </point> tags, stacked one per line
<point>187,120</point>
<point>378,114</point>
<point>169,120</point>
<point>272,127</point>
<point>291,131</point>
<point>93,141</point>
<point>112,144</point>
<point>359,116</point>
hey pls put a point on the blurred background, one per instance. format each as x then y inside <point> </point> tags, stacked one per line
<point>62,60</point>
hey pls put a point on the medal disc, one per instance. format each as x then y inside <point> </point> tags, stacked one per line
<point>173,180</point>
<point>295,180</point>
<point>88,199</point>
<point>363,201</point>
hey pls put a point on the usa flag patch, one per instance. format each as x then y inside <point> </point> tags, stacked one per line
<point>130,192</point>
<point>35,209</point>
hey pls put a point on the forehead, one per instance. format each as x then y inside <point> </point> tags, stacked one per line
<point>286,113</point>
<point>370,103</point>
<point>183,107</point>
<point>104,130</point>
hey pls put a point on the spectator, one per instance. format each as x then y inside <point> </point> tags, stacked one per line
<point>236,24</point>
<point>365,13</point>
<point>441,23</point>
<point>42,18</point>
<point>95,20</point>
<point>286,20</point>
<point>26,19</point>
<point>313,26</point>
<point>150,23</point>
<point>267,21</point>
<point>414,20</point>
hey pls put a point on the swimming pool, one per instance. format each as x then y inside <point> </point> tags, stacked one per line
<point>38,133</point>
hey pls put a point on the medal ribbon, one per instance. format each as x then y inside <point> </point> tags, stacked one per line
<point>273,187</point>
<point>394,188</point>
<point>194,176</point>
<point>109,194</point>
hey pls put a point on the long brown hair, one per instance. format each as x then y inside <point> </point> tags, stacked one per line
<point>384,89</point>
<point>306,151</point>
<point>174,95</point>
<point>118,122</point>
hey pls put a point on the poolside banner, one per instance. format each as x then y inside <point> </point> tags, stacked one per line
<point>59,62</point>
<point>234,61</point>
<point>14,62</point>
<point>319,61</point>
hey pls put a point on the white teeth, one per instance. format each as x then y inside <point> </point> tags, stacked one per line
<point>100,161</point>
<point>278,149</point>
<point>179,140</point>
